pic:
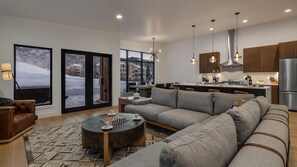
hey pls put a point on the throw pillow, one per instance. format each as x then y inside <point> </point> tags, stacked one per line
<point>246,119</point>
<point>5,101</point>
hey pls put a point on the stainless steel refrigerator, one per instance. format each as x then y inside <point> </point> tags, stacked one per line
<point>288,83</point>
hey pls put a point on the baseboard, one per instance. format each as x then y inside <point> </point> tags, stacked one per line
<point>16,136</point>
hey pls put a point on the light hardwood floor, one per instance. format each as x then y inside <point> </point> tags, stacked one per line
<point>13,154</point>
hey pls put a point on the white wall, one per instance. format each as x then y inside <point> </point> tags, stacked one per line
<point>179,53</point>
<point>145,47</point>
<point>15,30</point>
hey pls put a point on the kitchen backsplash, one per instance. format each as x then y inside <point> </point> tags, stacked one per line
<point>239,75</point>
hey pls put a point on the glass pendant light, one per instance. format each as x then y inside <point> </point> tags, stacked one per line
<point>154,52</point>
<point>193,60</point>
<point>213,58</point>
<point>236,57</point>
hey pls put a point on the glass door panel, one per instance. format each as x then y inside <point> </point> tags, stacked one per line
<point>100,80</point>
<point>75,80</point>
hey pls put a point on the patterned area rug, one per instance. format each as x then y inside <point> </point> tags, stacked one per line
<point>61,146</point>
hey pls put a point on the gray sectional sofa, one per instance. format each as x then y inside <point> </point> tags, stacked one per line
<point>210,133</point>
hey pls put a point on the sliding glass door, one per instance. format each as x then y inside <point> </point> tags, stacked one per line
<point>86,80</point>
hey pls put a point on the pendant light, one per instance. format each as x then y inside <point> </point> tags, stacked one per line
<point>213,58</point>
<point>236,57</point>
<point>154,52</point>
<point>193,60</point>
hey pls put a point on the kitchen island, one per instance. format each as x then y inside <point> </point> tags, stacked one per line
<point>225,88</point>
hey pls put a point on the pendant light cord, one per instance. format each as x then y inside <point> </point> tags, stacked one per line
<point>213,36</point>
<point>153,45</point>
<point>237,13</point>
<point>193,40</point>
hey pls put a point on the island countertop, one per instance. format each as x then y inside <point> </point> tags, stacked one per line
<point>225,88</point>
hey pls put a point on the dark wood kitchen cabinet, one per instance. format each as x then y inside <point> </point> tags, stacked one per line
<point>288,50</point>
<point>261,59</point>
<point>205,66</point>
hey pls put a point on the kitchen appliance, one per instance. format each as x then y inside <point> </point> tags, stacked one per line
<point>288,83</point>
<point>230,65</point>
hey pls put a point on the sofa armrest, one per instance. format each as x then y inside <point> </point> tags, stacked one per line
<point>142,101</point>
<point>6,122</point>
<point>24,106</point>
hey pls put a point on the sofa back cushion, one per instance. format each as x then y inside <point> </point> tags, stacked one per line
<point>264,104</point>
<point>214,144</point>
<point>166,97</point>
<point>224,101</point>
<point>195,101</point>
<point>246,119</point>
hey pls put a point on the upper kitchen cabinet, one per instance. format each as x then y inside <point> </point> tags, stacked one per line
<point>288,50</point>
<point>251,59</point>
<point>260,59</point>
<point>205,66</point>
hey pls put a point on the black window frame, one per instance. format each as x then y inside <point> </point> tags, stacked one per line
<point>141,64</point>
<point>51,72</point>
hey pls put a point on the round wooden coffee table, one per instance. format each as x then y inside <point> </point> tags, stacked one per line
<point>130,133</point>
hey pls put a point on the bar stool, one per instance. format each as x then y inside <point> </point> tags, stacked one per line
<point>213,90</point>
<point>190,89</point>
<point>240,92</point>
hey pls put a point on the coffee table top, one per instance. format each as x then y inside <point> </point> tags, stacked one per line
<point>94,124</point>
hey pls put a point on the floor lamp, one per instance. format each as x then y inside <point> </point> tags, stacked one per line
<point>7,75</point>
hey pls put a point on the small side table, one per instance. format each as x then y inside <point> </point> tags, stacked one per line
<point>123,101</point>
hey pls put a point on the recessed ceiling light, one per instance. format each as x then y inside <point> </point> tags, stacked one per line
<point>211,29</point>
<point>288,10</point>
<point>119,16</point>
<point>244,21</point>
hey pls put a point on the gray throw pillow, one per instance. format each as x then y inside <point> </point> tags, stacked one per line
<point>224,101</point>
<point>246,119</point>
<point>212,145</point>
<point>264,104</point>
<point>166,97</point>
<point>195,101</point>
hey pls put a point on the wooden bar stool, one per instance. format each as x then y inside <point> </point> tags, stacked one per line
<point>240,92</point>
<point>190,89</point>
<point>213,90</point>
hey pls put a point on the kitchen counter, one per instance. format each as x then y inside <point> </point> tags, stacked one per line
<point>257,91</point>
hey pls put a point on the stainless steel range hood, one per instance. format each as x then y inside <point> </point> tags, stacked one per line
<point>231,65</point>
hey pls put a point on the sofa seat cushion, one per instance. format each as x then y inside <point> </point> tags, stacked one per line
<point>148,111</point>
<point>214,144</point>
<point>195,101</point>
<point>190,129</point>
<point>181,118</point>
<point>271,135</point>
<point>280,113</point>
<point>275,128</point>
<point>166,97</point>
<point>224,101</point>
<point>278,107</point>
<point>263,103</point>
<point>147,157</point>
<point>246,119</point>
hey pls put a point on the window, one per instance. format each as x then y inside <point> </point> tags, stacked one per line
<point>33,72</point>
<point>136,67</point>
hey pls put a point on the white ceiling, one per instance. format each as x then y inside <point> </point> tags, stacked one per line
<point>167,20</point>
